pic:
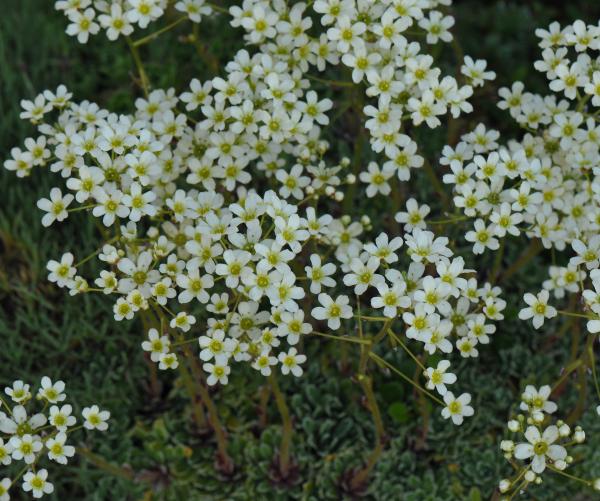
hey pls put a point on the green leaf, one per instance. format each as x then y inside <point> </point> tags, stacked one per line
<point>474,494</point>
<point>398,411</point>
<point>392,392</point>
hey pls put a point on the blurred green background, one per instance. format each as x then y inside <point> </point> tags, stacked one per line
<point>46,332</point>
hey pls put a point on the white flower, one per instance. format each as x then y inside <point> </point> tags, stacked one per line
<point>538,308</point>
<point>218,372</point>
<point>116,23</point>
<point>475,71</point>
<point>5,485</point>
<point>60,417</point>
<point>438,378</point>
<point>216,345</point>
<point>5,452</point>
<point>466,346</point>
<point>457,408</point>
<point>144,11</point>
<point>82,26</point>
<point>182,321</point>
<point>391,298</point>
<point>95,419</point>
<point>194,285</point>
<point>19,420</point>
<point>110,205</point>
<point>331,310</point>
<point>363,275</point>
<point>55,207</point>
<point>37,483</point>
<point>26,447</point>
<point>58,450</point>
<point>384,249</point>
<point>534,400</point>
<point>414,217</point>
<point>140,204</point>
<point>290,362</point>
<point>482,237</point>
<point>319,275</point>
<point>62,273</point>
<point>168,361</point>
<point>540,447</point>
<point>19,392</point>
<point>437,27</point>
<point>346,34</point>
<point>53,393</point>
<point>156,344</point>
<point>264,362</point>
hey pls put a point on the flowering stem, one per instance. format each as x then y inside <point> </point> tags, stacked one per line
<point>157,33</point>
<point>450,220</point>
<point>573,314</point>
<point>95,253</point>
<point>371,319</point>
<point>356,96</point>
<point>3,402</point>
<point>405,377</point>
<point>209,59</point>
<point>497,262</point>
<point>145,83</point>
<point>535,247</point>
<point>287,430</point>
<point>568,475</point>
<point>217,8</point>
<point>568,370</point>
<point>104,465</point>
<point>407,350</point>
<point>185,341</point>
<point>343,338</point>
<point>362,475</point>
<point>81,207</point>
<point>20,474</point>
<point>197,410</point>
<point>437,185</point>
<point>593,367</point>
<point>335,83</point>
<point>213,415</point>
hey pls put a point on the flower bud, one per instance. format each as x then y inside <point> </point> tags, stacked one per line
<point>530,476</point>
<point>579,435</point>
<point>560,464</point>
<point>537,417</point>
<point>514,425</point>
<point>504,485</point>
<point>564,430</point>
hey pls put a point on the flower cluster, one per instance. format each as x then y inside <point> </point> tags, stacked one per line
<point>189,241</point>
<point>120,17</point>
<point>220,223</point>
<point>541,445</point>
<point>545,184</point>
<point>29,436</point>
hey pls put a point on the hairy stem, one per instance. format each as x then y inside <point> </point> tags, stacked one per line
<point>287,430</point>
<point>362,475</point>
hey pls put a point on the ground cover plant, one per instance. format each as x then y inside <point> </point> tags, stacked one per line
<point>288,250</point>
